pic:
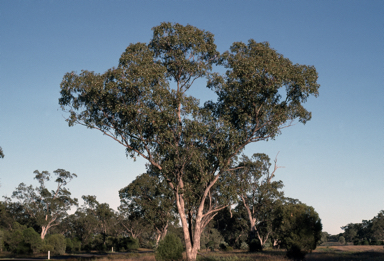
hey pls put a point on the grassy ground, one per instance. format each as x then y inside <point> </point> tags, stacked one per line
<point>350,253</point>
<point>322,253</point>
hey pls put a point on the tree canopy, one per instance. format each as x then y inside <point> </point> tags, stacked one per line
<point>143,104</point>
<point>299,227</point>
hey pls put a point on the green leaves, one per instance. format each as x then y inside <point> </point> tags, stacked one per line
<point>149,197</point>
<point>186,51</point>
<point>249,93</point>
<point>298,225</point>
<point>191,146</point>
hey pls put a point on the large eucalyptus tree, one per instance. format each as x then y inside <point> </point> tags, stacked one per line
<point>144,105</point>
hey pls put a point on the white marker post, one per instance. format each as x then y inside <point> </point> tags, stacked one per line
<point>49,255</point>
<point>112,249</point>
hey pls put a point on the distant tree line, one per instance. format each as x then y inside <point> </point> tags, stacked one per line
<point>368,232</point>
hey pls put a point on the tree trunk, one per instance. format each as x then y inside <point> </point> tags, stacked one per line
<point>192,236</point>
<point>158,238</point>
<point>262,242</point>
<point>44,230</point>
<point>192,242</point>
<point>161,233</point>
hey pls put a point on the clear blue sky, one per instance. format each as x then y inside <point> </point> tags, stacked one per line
<point>334,163</point>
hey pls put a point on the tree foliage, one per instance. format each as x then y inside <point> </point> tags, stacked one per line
<point>299,228</point>
<point>259,194</point>
<point>191,146</point>
<point>149,197</point>
<point>170,248</point>
<point>368,230</point>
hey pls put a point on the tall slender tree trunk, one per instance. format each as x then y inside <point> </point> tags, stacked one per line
<point>44,230</point>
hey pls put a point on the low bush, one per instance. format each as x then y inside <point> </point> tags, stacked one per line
<point>33,240</point>
<point>69,245</point>
<point>132,244</point>
<point>76,243</point>
<point>211,245</point>
<point>170,248</point>
<point>46,247</point>
<point>255,246</point>
<point>244,246</point>
<point>223,246</point>
<point>342,240</point>
<point>295,253</point>
<point>57,241</point>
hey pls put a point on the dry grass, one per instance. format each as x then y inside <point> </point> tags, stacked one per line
<point>351,248</point>
<point>322,253</point>
<point>239,255</point>
<point>350,253</point>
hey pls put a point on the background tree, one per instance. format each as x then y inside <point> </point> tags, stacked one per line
<point>233,225</point>
<point>133,223</point>
<point>1,153</point>
<point>324,237</point>
<point>259,194</point>
<point>299,227</point>
<point>366,231</point>
<point>100,218</point>
<point>350,232</point>
<point>342,240</point>
<point>82,225</point>
<point>191,146</point>
<point>378,226</point>
<point>151,197</point>
<point>46,207</point>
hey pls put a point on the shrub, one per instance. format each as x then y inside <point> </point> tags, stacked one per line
<point>170,248</point>
<point>57,241</point>
<point>365,242</point>
<point>268,244</point>
<point>132,244</point>
<point>255,246</point>
<point>295,253</point>
<point>76,244</point>
<point>223,246</point>
<point>46,247</point>
<point>33,240</point>
<point>356,242</point>
<point>342,240</point>
<point>374,243</point>
<point>13,239</point>
<point>69,245</point>
<point>244,246</point>
<point>211,245</point>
